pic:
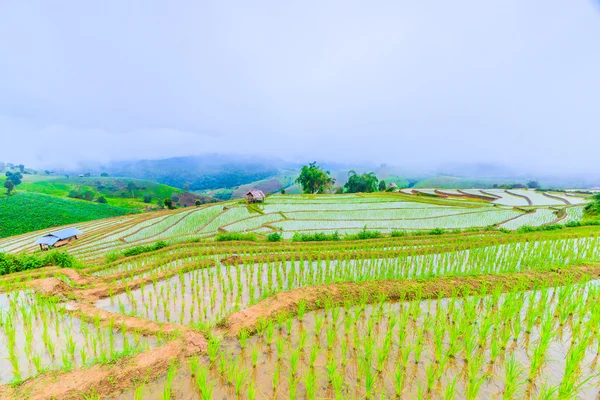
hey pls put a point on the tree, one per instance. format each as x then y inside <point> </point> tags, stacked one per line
<point>87,174</point>
<point>131,187</point>
<point>104,174</point>
<point>2,165</point>
<point>88,195</point>
<point>147,198</point>
<point>314,179</point>
<point>339,190</point>
<point>382,186</point>
<point>9,185</point>
<point>168,203</point>
<point>101,199</point>
<point>198,202</point>
<point>14,178</point>
<point>21,168</point>
<point>533,185</point>
<point>282,190</point>
<point>364,183</point>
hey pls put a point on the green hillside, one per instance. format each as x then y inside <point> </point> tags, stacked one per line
<point>269,185</point>
<point>121,192</point>
<point>26,212</point>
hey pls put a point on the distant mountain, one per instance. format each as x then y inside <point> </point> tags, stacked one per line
<point>226,173</point>
<point>195,172</point>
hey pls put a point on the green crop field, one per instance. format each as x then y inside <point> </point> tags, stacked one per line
<point>26,212</point>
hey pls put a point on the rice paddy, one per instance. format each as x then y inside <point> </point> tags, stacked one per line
<point>455,312</point>
<point>490,345</point>
<point>39,335</point>
<point>345,214</point>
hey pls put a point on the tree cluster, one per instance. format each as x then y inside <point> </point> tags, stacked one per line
<point>361,183</point>
<point>13,179</point>
<point>314,179</point>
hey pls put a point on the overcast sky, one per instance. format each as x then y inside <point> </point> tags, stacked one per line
<point>399,81</point>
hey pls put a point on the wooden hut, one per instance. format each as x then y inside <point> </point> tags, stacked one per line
<point>255,196</point>
<point>57,239</point>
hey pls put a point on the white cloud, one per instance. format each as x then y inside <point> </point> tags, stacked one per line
<point>512,82</point>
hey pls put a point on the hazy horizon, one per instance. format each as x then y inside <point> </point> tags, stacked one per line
<point>511,83</point>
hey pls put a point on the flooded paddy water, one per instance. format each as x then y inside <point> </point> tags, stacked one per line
<point>538,344</point>
<point>37,334</point>
<point>202,297</point>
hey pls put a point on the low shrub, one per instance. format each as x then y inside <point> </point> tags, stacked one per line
<point>436,231</point>
<point>134,251</point>
<point>529,229</point>
<point>233,236</point>
<point>275,236</point>
<point>396,233</point>
<point>315,237</point>
<point>364,234</point>
<point>10,263</point>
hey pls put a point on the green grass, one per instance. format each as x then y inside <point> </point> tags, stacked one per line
<point>26,212</point>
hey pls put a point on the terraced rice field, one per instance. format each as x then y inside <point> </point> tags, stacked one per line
<point>39,335</point>
<point>345,214</point>
<point>463,314</point>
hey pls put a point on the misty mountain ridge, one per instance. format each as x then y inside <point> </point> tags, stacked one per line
<point>213,171</point>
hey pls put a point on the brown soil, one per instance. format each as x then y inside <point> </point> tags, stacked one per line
<point>401,290</point>
<point>50,287</point>
<point>102,380</point>
<point>484,197</point>
<point>527,199</point>
<point>551,196</point>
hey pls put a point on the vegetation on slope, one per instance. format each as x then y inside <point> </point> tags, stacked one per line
<point>10,263</point>
<point>592,210</point>
<point>26,212</point>
<point>270,185</point>
<point>122,192</point>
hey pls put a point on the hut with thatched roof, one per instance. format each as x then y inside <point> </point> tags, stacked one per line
<point>255,196</point>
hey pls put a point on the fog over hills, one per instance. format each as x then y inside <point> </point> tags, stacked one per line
<point>211,171</point>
